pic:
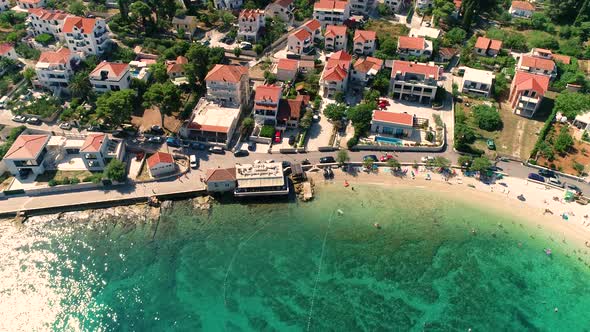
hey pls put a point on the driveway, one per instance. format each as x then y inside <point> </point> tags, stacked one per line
<point>320,132</point>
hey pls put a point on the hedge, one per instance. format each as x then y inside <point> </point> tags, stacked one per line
<point>544,131</point>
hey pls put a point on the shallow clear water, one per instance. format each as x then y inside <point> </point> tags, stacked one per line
<point>294,267</point>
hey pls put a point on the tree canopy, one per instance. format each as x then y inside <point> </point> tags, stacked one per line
<point>335,112</point>
<point>115,107</point>
<point>166,96</point>
<point>571,104</point>
<point>487,117</point>
<point>116,170</point>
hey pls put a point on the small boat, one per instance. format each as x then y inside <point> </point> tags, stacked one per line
<point>376,225</point>
<point>340,212</point>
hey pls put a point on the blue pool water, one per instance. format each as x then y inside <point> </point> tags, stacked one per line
<point>388,140</point>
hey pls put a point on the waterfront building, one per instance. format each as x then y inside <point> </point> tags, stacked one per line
<point>160,163</point>
<point>211,122</point>
<point>261,179</point>
<point>394,124</point>
<point>99,149</point>
<point>221,179</point>
<point>26,155</point>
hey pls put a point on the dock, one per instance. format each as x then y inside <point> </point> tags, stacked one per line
<point>307,191</point>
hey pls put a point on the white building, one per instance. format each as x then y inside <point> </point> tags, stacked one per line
<point>88,35</point>
<point>176,70</point>
<point>7,51</point>
<point>414,46</point>
<point>110,76</point>
<point>394,5</point>
<point>521,9</point>
<point>26,155</point>
<point>228,4</point>
<point>250,23</point>
<point>42,20</point>
<point>365,69</point>
<point>335,38</point>
<point>161,163</point>
<point>140,70</point>
<point>221,179</point>
<point>331,12</point>
<point>393,124</point>
<point>99,149</point>
<point>364,42</point>
<point>281,9</point>
<point>287,69</point>
<point>55,69</point>
<point>211,122</point>
<point>266,104</point>
<point>414,81</point>
<point>477,82</point>
<point>424,4</point>
<point>335,76</point>
<point>228,85</point>
<point>301,41</point>
<point>261,179</point>
<point>28,4</point>
<point>362,7</point>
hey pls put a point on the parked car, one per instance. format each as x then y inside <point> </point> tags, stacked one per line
<point>216,149</point>
<point>426,159</point>
<point>536,177</point>
<point>241,153</point>
<point>19,118</point>
<point>252,146</point>
<point>156,139</point>
<point>194,162</point>
<point>278,136</point>
<point>547,173</point>
<point>491,145</point>
<point>95,128</point>
<point>316,118</point>
<point>327,160</point>
<point>370,157</point>
<point>65,126</point>
<point>245,45</point>
<point>156,129</point>
<point>227,40</point>
<point>34,120</point>
<point>555,182</point>
<point>574,188</point>
<point>173,142</point>
<point>386,157</point>
<point>291,140</point>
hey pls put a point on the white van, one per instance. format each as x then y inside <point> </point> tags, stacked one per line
<point>3,102</point>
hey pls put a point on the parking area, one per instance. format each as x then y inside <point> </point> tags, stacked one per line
<point>320,132</point>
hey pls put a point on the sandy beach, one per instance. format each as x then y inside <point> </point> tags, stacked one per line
<point>502,196</point>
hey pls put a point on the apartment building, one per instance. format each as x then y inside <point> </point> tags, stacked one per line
<point>228,85</point>
<point>26,155</point>
<point>331,12</point>
<point>365,69</point>
<point>364,42</point>
<point>521,9</point>
<point>335,76</point>
<point>362,7</point>
<point>414,46</point>
<point>281,9</point>
<point>228,4</point>
<point>250,24</point>
<point>211,122</point>
<point>88,35</point>
<point>526,93</point>
<point>55,68</point>
<point>537,65</point>
<point>7,51</point>
<point>266,104</point>
<point>29,4</point>
<point>477,82</point>
<point>301,41</point>
<point>110,76</point>
<point>46,21</point>
<point>414,81</point>
<point>487,47</point>
<point>394,5</point>
<point>335,38</point>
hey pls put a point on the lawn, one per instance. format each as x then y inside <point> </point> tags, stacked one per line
<point>386,29</point>
<point>60,175</point>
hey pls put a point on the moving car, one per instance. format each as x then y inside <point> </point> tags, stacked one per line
<point>155,139</point>
<point>278,136</point>
<point>19,118</point>
<point>386,157</point>
<point>241,153</point>
<point>327,160</point>
<point>65,126</point>
<point>194,162</point>
<point>536,177</point>
<point>173,142</point>
<point>216,149</point>
<point>370,157</point>
<point>34,120</point>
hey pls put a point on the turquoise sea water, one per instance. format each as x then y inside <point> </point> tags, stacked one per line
<point>296,267</point>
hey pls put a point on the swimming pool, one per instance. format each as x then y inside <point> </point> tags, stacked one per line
<point>388,140</point>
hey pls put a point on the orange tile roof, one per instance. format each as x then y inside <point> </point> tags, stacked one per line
<point>397,118</point>
<point>414,68</point>
<point>209,128</point>
<point>412,43</point>
<point>5,48</point>
<point>337,67</point>
<point>368,63</point>
<point>46,14</point>
<point>335,73</point>
<point>60,56</point>
<point>457,4</point>
<point>312,25</point>
<point>114,69</point>
<point>221,174</point>
<point>528,81</point>
<point>486,43</point>
<point>176,66</point>
<point>159,157</point>
<point>301,34</point>
<point>289,109</point>
<point>330,5</point>
<point>226,73</point>
<point>523,5</point>
<point>335,30</point>
<point>93,143</point>
<point>562,58</point>
<point>534,62</point>
<point>288,64</point>
<point>251,13</point>
<point>268,93</point>
<point>364,35</point>
<point>495,45</point>
<point>85,25</point>
<point>27,147</point>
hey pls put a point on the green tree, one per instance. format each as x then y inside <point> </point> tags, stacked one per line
<point>80,86</point>
<point>441,162</point>
<point>29,73</point>
<point>480,164</point>
<point>77,8</point>
<point>115,107</point>
<point>394,164</point>
<point>141,11</point>
<point>571,104</point>
<point>360,116</point>
<point>563,11</point>
<point>487,118</point>
<point>368,163</point>
<point>116,170</point>
<point>159,72</point>
<point>564,141</point>
<point>578,168</point>
<point>44,39</point>
<point>166,96</point>
<point>453,37</point>
<point>237,52</point>
<point>465,160</point>
<point>500,85</point>
<point>335,112</point>
<point>442,10</point>
<point>342,157</point>
<point>247,126</point>
<point>469,8</point>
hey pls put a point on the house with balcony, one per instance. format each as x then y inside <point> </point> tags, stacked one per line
<point>48,21</point>
<point>414,81</point>
<point>364,42</point>
<point>4,5</point>
<point>281,9</point>
<point>335,76</point>
<point>29,4</point>
<point>364,70</point>
<point>335,38</point>
<point>99,149</point>
<point>392,124</point>
<point>26,155</point>
<point>477,82</point>
<point>362,7</point>
<point>394,6</point>
<point>87,35</point>
<point>55,69</point>
<point>287,69</point>
<point>302,40</point>
<point>261,179</point>
<point>251,23</point>
<point>414,47</point>
<point>266,104</point>
<point>521,9</point>
<point>228,4</point>
<point>537,65</point>
<point>7,51</point>
<point>487,47</point>
<point>228,85</point>
<point>290,111</point>
<point>211,122</point>
<point>333,12</point>
<point>188,24</point>
<point>110,76</point>
<point>526,93</point>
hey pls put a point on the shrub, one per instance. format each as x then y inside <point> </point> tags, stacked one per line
<point>267,131</point>
<point>116,170</point>
<point>487,117</point>
<point>44,39</point>
<point>52,183</point>
<point>564,141</point>
<point>65,180</point>
<point>352,142</point>
<point>74,181</point>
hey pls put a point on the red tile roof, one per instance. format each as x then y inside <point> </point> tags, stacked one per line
<point>45,14</point>
<point>84,25</point>
<point>447,52</point>
<point>368,63</point>
<point>27,147</point>
<point>289,109</point>
<point>251,13</point>
<point>176,66</point>
<point>364,35</point>
<point>301,34</point>
<point>114,69</point>
<point>312,25</point>
<point>412,43</point>
<point>523,5</point>
<point>60,56</point>
<point>335,73</point>
<point>486,43</point>
<point>288,64</point>
<point>335,30</point>
<point>268,94</point>
<point>5,48</point>
<point>221,174</point>
<point>397,118</point>
<point>209,128</point>
<point>93,143</point>
<point>330,5</point>
<point>562,58</point>
<point>158,158</point>
<point>457,3</point>
<point>227,73</point>
<point>495,45</point>
<point>414,68</point>
<point>527,81</point>
<point>534,62</point>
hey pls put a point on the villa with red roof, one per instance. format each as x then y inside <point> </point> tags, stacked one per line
<point>335,38</point>
<point>364,42</point>
<point>176,70</point>
<point>521,9</point>
<point>228,85</point>
<point>251,23</point>
<point>487,47</point>
<point>46,21</point>
<point>414,81</point>
<point>334,12</point>
<point>88,35</point>
<point>26,155</point>
<point>99,149</point>
<point>221,179</point>
<point>391,123</point>
<point>287,69</point>
<point>537,65</point>
<point>266,104</point>
<point>110,76</point>
<point>55,69</point>
<point>414,46</point>
<point>29,4</point>
<point>290,111</point>
<point>334,78</point>
<point>547,54</point>
<point>365,69</point>
<point>526,93</point>
<point>282,9</point>
<point>301,41</point>
<point>160,163</point>
<point>7,51</point>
